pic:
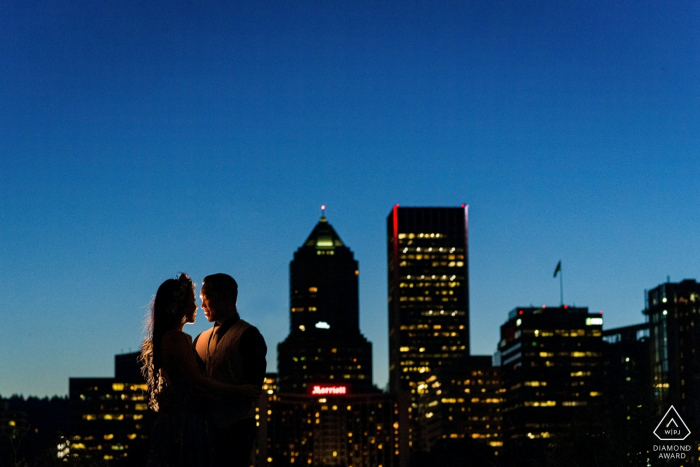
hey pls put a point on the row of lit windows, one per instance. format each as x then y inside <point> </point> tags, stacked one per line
<point>540,403</point>
<point>435,264</point>
<point>416,369</point>
<point>300,309</point>
<point>560,363</point>
<point>420,235</point>
<point>109,397</point>
<point>427,293</point>
<point>426,336</point>
<point>563,332</point>
<point>412,327</point>
<point>130,387</point>
<point>429,284</point>
<point>468,382</point>
<point>572,354</point>
<point>449,258</point>
<point>693,297</point>
<point>114,447</point>
<point>109,416</point>
<point>106,437</point>
<point>449,251</point>
<point>434,277</point>
<point>435,356</point>
<point>421,298</point>
<point>468,391</point>
<point>441,312</point>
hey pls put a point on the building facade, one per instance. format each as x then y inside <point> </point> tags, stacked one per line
<point>551,369</point>
<point>626,373</point>
<point>462,401</point>
<point>348,430</point>
<point>673,312</point>
<point>110,419</point>
<point>428,292</point>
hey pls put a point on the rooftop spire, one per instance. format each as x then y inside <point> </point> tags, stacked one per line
<point>323,236</point>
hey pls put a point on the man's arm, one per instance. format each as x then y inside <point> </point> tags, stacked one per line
<point>177,353</point>
<point>253,351</point>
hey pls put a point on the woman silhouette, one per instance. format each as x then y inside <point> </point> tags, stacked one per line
<point>176,382</point>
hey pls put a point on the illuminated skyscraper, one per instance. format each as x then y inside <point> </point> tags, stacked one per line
<point>324,344</point>
<point>323,409</point>
<point>551,363</point>
<point>428,292</point>
<point>673,310</point>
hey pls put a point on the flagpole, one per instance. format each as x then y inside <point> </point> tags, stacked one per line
<point>558,270</point>
<point>561,287</point>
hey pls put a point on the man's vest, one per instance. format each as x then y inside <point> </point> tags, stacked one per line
<point>225,364</point>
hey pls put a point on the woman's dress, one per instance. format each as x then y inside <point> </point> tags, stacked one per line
<point>180,435</point>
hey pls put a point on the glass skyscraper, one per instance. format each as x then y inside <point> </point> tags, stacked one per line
<point>673,310</point>
<point>428,292</point>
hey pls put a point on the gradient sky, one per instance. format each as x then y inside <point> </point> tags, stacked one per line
<point>142,139</point>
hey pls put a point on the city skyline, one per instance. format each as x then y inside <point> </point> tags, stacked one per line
<point>140,141</point>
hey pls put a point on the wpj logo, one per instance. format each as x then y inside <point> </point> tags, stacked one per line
<point>672,428</point>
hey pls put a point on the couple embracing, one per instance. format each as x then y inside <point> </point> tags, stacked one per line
<point>206,390</point>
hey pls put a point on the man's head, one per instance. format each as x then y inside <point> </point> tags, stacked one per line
<point>219,296</point>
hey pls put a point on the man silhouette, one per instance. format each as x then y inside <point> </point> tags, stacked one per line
<point>234,352</point>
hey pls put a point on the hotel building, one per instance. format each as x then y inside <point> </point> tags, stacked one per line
<point>325,344</point>
<point>322,409</point>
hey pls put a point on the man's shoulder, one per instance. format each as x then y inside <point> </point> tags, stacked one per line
<point>251,332</point>
<point>201,341</point>
<point>252,340</point>
<point>204,335</point>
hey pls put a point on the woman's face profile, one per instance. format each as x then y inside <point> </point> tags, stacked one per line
<point>191,313</point>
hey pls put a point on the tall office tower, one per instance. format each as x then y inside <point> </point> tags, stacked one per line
<point>673,310</point>
<point>551,368</point>
<point>324,345</point>
<point>626,374</point>
<point>428,292</point>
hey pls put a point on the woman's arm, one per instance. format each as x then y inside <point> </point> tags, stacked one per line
<point>178,354</point>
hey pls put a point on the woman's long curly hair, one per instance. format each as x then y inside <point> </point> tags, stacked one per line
<point>168,311</point>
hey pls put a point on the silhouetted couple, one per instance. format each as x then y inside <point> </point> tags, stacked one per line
<point>205,391</point>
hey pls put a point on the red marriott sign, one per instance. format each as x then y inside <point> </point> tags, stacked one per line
<point>323,390</point>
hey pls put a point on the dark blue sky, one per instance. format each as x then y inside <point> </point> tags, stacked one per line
<point>141,139</point>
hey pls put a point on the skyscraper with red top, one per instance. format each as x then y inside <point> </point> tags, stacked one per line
<point>428,265</point>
